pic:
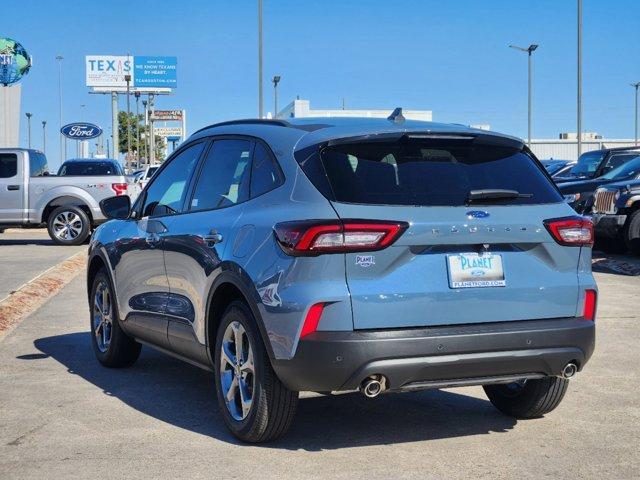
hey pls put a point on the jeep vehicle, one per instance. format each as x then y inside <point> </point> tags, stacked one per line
<point>616,215</point>
<point>334,255</point>
<point>596,163</point>
<point>579,193</point>
<point>67,205</point>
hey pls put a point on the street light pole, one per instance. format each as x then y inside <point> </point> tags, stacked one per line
<point>530,49</point>
<point>579,77</point>
<point>44,136</point>
<point>260,99</point>
<point>146,132</point>
<point>127,78</point>
<point>137,95</point>
<point>29,115</point>
<point>59,58</point>
<point>276,80</point>
<point>636,85</point>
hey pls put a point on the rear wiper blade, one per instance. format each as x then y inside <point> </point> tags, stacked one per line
<point>495,194</point>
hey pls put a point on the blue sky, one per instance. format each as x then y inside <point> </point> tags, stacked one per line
<point>450,57</point>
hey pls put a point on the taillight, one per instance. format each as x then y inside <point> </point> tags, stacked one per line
<point>119,188</point>
<point>309,238</point>
<point>590,302</point>
<point>571,231</point>
<point>312,319</point>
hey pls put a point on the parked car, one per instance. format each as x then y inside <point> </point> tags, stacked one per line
<point>68,206</point>
<point>90,166</point>
<point>557,168</point>
<point>342,254</point>
<point>616,214</point>
<point>146,174</point>
<point>598,162</point>
<point>579,194</point>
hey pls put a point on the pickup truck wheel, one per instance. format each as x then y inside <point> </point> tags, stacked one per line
<point>113,347</point>
<point>255,405</point>
<point>632,233</point>
<point>528,399</point>
<point>68,225</point>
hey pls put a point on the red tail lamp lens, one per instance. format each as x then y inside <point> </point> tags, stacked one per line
<point>590,304</point>
<point>571,231</point>
<point>312,319</point>
<point>119,188</point>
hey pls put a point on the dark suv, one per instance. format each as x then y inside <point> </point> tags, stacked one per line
<point>348,254</point>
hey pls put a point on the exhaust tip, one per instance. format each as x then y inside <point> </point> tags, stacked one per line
<point>373,386</point>
<point>569,370</point>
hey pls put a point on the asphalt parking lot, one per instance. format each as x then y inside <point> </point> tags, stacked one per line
<point>64,416</point>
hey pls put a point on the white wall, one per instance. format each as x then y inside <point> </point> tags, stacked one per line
<point>302,109</point>
<point>10,116</point>
<point>568,149</point>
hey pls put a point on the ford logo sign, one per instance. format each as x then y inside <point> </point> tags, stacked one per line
<point>477,273</point>
<point>81,131</point>
<point>477,214</point>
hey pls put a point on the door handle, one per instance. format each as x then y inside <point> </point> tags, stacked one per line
<point>13,187</point>
<point>213,237</point>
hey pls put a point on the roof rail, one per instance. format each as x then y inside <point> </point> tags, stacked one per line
<point>248,121</point>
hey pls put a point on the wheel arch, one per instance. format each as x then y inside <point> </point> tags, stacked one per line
<point>232,285</point>
<point>98,260</point>
<point>65,200</point>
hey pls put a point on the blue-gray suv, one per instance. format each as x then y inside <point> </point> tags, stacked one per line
<point>333,255</point>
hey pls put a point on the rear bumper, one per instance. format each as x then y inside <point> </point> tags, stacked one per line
<point>606,225</point>
<point>335,361</point>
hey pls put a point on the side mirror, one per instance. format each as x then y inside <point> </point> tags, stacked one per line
<point>116,207</point>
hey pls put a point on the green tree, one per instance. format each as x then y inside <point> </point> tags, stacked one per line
<point>137,127</point>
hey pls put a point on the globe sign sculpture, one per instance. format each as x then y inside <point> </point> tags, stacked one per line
<point>15,62</point>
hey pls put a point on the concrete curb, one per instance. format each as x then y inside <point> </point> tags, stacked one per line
<point>33,294</point>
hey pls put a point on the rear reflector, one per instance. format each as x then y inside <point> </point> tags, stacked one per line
<point>310,238</point>
<point>312,319</point>
<point>571,231</point>
<point>119,188</point>
<point>590,302</point>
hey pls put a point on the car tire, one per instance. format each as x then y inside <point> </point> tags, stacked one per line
<point>632,233</point>
<point>530,399</point>
<point>113,347</point>
<point>69,225</point>
<point>259,408</point>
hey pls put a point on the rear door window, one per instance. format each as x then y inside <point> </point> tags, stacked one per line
<point>430,172</point>
<point>265,174</point>
<point>8,165</point>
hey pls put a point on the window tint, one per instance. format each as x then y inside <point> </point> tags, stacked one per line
<point>8,165</point>
<point>38,165</point>
<point>224,179</point>
<point>167,190</point>
<point>265,174</point>
<point>587,163</point>
<point>629,169</point>
<point>429,172</point>
<point>617,160</point>
<point>94,167</point>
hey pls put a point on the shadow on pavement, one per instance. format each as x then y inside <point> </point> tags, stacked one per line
<point>24,241</point>
<point>182,395</point>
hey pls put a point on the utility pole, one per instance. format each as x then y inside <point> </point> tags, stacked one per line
<point>44,136</point>
<point>579,77</point>
<point>152,136</point>
<point>260,99</point>
<point>115,137</point>
<point>636,85</point>
<point>59,58</point>
<point>276,80</point>
<point>146,132</point>
<point>127,78</point>
<point>529,50</point>
<point>137,95</point>
<point>29,115</point>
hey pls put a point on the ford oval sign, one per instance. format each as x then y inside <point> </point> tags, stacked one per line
<point>81,131</point>
<point>477,214</point>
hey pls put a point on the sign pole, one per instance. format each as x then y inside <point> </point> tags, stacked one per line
<point>184,126</point>
<point>114,124</point>
<point>152,136</point>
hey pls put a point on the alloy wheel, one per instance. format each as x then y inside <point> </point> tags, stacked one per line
<point>67,225</point>
<point>102,316</point>
<point>237,373</point>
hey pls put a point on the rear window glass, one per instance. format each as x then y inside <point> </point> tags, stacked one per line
<point>90,168</point>
<point>427,172</point>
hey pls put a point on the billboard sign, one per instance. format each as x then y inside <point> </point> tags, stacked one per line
<point>168,131</point>
<point>166,115</point>
<point>155,72</point>
<point>146,72</point>
<point>108,70</point>
<point>81,131</point>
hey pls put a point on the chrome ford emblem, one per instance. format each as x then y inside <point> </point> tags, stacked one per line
<point>477,214</point>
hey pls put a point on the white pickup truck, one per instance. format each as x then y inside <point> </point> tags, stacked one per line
<point>68,205</point>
